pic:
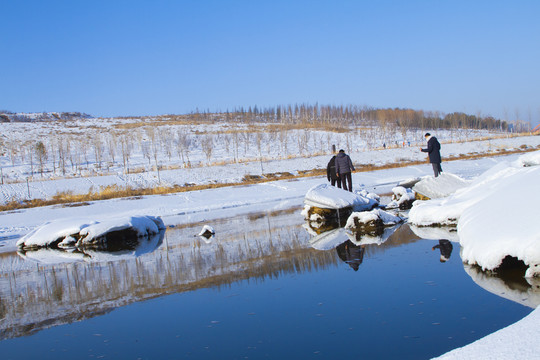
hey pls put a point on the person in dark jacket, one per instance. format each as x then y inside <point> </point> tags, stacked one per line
<point>331,174</point>
<point>344,167</point>
<point>351,254</point>
<point>445,247</point>
<point>434,153</point>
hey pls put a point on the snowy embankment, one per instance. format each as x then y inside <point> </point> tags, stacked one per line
<point>232,172</point>
<point>517,341</point>
<point>496,215</point>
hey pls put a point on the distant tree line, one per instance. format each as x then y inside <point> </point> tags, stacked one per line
<point>9,116</point>
<point>354,115</point>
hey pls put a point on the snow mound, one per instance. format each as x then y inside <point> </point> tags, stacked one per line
<point>402,198</point>
<point>373,216</point>
<point>441,186</point>
<point>366,194</point>
<point>496,216</point>
<point>83,230</point>
<point>504,223</point>
<point>517,341</point>
<point>207,230</point>
<point>330,197</point>
<point>47,255</point>
<point>530,159</point>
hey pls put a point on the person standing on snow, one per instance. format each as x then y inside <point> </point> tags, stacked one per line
<point>344,166</point>
<point>433,150</point>
<point>331,172</point>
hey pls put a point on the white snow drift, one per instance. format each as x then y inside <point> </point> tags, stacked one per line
<point>68,230</point>
<point>327,196</point>
<point>496,215</point>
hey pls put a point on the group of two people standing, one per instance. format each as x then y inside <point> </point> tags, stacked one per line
<point>340,166</point>
<point>338,171</point>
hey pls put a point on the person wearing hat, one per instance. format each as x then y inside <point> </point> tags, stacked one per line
<point>434,153</point>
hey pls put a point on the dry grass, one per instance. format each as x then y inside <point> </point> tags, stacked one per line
<point>115,191</point>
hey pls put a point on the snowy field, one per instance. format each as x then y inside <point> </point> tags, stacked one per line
<point>89,155</point>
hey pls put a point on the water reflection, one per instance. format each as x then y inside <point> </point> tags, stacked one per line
<point>436,232</point>
<point>113,251</point>
<point>351,254</point>
<point>59,287</point>
<point>445,247</point>
<point>510,285</point>
<point>62,287</point>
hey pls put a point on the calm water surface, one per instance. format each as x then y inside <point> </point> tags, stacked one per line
<point>262,288</point>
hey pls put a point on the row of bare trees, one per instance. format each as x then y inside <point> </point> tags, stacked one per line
<point>249,134</point>
<point>353,115</point>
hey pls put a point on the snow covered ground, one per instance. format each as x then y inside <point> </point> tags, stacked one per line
<point>233,154</point>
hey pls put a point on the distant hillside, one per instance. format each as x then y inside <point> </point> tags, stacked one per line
<point>7,116</point>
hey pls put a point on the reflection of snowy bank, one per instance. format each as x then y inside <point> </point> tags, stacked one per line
<point>134,248</point>
<point>496,215</point>
<point>435,233</point>
<point>331,239</point>
<point>63,289</point>
<point>525,291</point>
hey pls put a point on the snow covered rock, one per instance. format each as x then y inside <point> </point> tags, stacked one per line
<point>82,232</point>
<point>128,251</point>
<point>207,232</point>
<point>369,195</point>
<point>441,186</point>
<point>371,222</point>
<point>403,198</point>
<point>327,196</point>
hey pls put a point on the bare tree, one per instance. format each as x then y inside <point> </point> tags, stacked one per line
<point>98,149</point>
<point>111,145</point>
<point>183,142</point>
<point>41,153</point>
<point>62,153</point>
<point>126,147</point>
<point>207,145</point>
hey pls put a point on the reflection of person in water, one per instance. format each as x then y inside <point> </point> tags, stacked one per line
<point>351,254</point>
<point>445,247</point>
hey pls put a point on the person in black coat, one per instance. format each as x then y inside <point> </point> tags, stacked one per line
<point>351,254</point>
<point>331,174</point>
<point>445,247</point>
<point>344,166</point>
<point>434,153</point>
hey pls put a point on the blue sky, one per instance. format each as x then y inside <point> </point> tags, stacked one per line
<point>111,58</point>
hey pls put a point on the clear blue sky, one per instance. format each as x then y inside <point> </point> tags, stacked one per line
<point>110,58</point>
